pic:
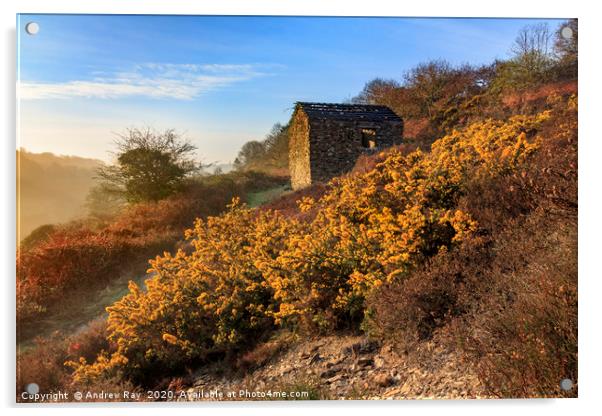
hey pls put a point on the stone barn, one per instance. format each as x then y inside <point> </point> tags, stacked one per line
<point>325,140</point>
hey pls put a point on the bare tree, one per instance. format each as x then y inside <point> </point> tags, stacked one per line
<point>532,51</point>
<point>533,39</point>
<point>377,91</point>
<point>427,81</point>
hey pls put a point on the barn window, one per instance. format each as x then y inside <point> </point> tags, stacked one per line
<point>369,138</point>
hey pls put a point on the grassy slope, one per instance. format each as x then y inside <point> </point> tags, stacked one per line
<point>256,199</point>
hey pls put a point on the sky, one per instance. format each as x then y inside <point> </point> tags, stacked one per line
<point>219,81</point>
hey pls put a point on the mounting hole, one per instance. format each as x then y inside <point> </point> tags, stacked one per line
<point>567,32</point>
<point>32,388</point>
<point>32,28</point>
<point>566,384</point>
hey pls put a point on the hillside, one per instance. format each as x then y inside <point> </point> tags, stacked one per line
<point>51,189</point>
<point>472,319</point>
<point>419,253</point>
<point>69,273</point>
<point>342,366</point>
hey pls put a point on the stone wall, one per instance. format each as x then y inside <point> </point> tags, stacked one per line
<point>336,145</point>
<point>298,162</point>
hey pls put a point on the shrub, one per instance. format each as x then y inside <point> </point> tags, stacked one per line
<point>43,365</point>
<point>407,312</point>
<point>37,236</point>
<point>68,257</point>
<point>522,334</point>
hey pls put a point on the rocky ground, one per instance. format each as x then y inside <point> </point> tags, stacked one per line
<point>346,367</point>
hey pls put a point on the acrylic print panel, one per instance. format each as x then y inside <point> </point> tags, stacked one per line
<point>295,208</point>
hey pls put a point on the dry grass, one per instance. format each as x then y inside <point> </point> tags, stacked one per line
<point>265,351</point>
<point>539,94</point>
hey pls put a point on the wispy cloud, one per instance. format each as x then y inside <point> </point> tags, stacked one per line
<point>153,80</point>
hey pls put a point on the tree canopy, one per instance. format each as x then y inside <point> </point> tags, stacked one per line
<point>267,155</point>
<point>149,165</point>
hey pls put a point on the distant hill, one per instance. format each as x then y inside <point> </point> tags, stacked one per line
<point>51,188</point>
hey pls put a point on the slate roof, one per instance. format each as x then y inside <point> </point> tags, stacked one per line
<point>364,112</point>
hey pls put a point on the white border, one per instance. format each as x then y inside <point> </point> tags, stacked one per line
<point>590,154</point>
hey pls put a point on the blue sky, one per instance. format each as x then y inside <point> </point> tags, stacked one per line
<point>220,81</point>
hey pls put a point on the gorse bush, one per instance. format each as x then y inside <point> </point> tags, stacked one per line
<point>507,296</point>
<point>84,255</point>
<point>468,241</point>
<point>376,227</point>
<point>249,271</point>
<point>211,300</point>
<point>529,305</point>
